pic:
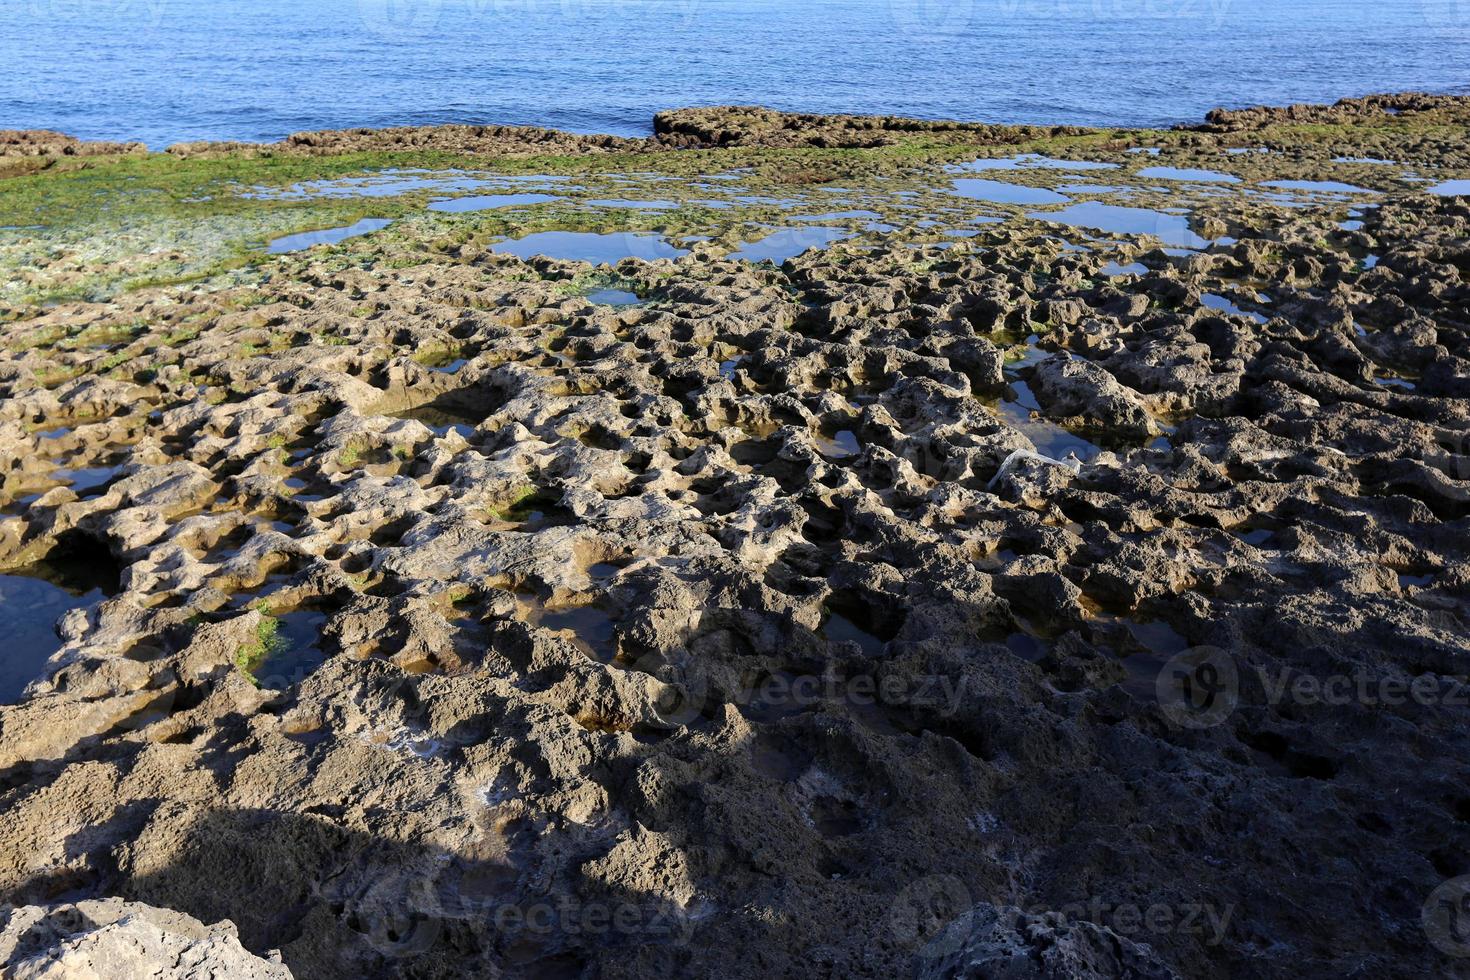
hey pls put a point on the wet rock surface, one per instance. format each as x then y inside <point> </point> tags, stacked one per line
<point>1370,108</point>
<point>752,628</point>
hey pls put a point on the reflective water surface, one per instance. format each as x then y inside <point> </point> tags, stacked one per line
<point>164,71</point>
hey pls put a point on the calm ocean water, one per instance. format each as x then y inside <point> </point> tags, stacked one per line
<point>169,70</point>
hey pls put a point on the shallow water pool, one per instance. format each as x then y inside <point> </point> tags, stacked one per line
<point>1451,188</point>
<point>614,297</point>
<point>634,205</point>
<point>588,246</point>
<point>1029,160</point>
<point>487,202</point>
<point>1214,301</point>
<point>594,631</point>
<point>326,236</point>
<point>32,599</point>
<point>1172,229</point>
<point>386,183</point>
<point>787,243</point>
<point>296,652</point>
<point>837,628</point>
<point>999,192</point>
<point>1318,186</point>
<point>1188,174</point>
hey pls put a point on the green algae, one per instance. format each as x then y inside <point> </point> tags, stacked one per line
<point>267,642</point>
<point>92,228</point>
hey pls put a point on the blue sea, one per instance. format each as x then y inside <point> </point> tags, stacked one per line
<point>162,71</point>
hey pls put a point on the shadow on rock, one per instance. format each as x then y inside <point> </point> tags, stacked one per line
<point>339,902</point>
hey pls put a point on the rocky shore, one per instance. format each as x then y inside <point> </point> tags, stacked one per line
<point>1065,578</point>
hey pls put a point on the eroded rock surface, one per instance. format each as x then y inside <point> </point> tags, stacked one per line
<point>481,140</point>
<point>759,126</point>
<point>1008,944</point>
<point>1369,108</point>
<point>44,142</point>
<point>108,939</point>
<point>469,625</point>
<point>25,150</point>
